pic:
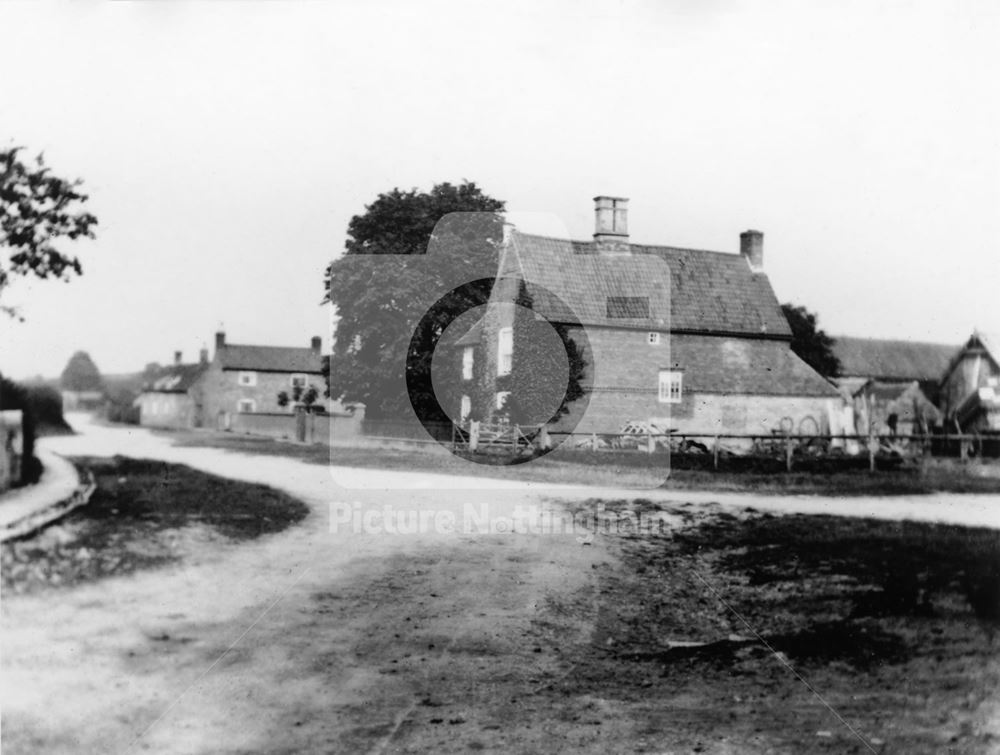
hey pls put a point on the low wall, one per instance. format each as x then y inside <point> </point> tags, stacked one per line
<point>261,423</point>
<point>305,428</point>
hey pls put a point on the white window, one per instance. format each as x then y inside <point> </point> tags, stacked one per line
<point>298,380</point>
<point>466,409</point>
<point>248,378</point>
<point>670,386</point>
<point>502,398</point>
<point>467,357</point>
<point>505,351</point>
<point>653,339</point>
<point>246,405</point>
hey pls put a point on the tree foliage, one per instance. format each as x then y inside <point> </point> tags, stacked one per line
<point>37,209</point>
<point>812,345</point>
<point>81,374</point>
<point>387,283</point>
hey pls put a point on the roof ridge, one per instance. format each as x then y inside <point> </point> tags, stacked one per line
<point>631,243</point>
<point>906,341</point>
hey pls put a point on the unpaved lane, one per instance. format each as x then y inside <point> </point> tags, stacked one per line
<point>313,640</point>
<point>308,640</point>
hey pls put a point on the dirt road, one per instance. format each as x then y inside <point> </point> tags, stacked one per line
<point>325,641</point>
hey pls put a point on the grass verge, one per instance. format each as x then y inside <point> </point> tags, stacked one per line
<point>794,634</point>
<point>143,514</point>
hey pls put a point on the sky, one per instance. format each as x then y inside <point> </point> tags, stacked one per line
<point>225,147</point>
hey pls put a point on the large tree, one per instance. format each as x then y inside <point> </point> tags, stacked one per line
<point>37,209</point>
<point>386,284</point>
<point>81,374</point>
<point>808,341</point>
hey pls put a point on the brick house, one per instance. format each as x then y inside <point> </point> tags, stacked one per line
<point>687,339</point>
<point>247,378</point>
<point>174,398</point>
<point>970,386</point>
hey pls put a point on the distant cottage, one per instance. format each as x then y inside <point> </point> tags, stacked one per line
<point>681,338</point>
<point>239,379</point>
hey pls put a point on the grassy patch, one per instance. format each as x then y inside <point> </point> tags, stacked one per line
<point>893,624</point>
<point>143,514</point>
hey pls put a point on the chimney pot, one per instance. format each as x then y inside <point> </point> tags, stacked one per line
<point>752,247</point>
<point>220,340</point>
<point>177,357</point>
<point>203,355</point>
<point>315,344</point>
<point>611,224</point>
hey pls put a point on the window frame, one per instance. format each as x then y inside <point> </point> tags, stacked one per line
<point>505,356</point>
<point>653,338</point>
<point>242,401</point>
<point>302,375</point>
<point>468,362</point>
<point>667,382</point>
<point>465,408</point>
<point>247,378</point>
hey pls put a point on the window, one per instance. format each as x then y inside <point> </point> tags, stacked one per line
<point>502,398</point>
<point>670,386</point>
<point>248,378</point>
<point>654,339</point>
<point>466,409</point>
<point>505,351</point>
<point>298,380</point>
<point>620,307</point>
<point>246,405</point>
<point>467,357</point>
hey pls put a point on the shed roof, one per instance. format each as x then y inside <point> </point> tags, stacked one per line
<point>744,366</point>
<point>891,359</point>
<point>270,358</point>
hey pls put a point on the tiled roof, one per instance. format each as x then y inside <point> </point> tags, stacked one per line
<point>710,292</point>
<point>891,360</point>
<point>744,366</point>
<point>270,359</point>
<point>177,378</point>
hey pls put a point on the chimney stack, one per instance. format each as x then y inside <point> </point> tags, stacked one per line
<point>203,355</point>
<point>611,225</point>
<point>220,340</point>
<point>177,358</point>
<point>752,247</point>
<point>316,344</point>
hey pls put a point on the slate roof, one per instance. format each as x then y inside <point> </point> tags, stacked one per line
<point>175,379</point>
<point>270,358</point>
<point>891,360</point>
<point>744,366</point>
<point>709,292</point>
